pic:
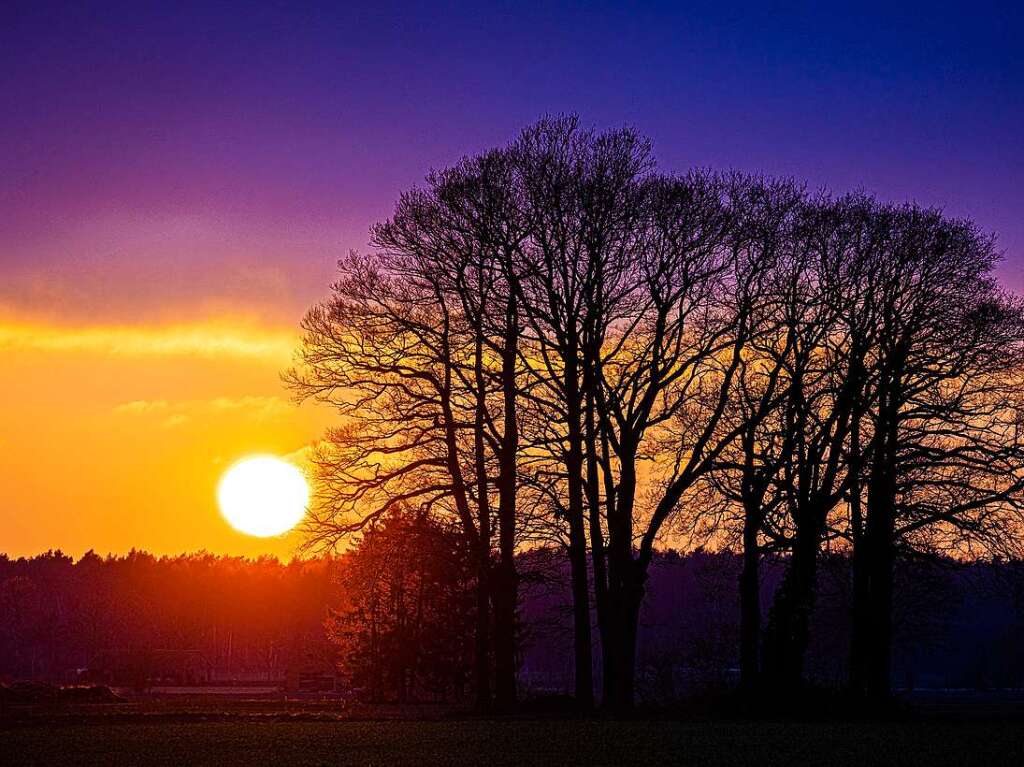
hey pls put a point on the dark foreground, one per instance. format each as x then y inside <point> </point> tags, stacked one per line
<point>510,742</point>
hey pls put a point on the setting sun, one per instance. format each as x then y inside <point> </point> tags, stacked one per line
<point>263,496</point>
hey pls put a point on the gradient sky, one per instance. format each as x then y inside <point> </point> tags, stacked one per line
<point>177,182</point>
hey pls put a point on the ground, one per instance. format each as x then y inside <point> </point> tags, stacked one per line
<point>259,734</point>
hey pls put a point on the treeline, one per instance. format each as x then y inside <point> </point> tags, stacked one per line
<point>556,343</point>
<point>245,616</point>
<point>956,626</point>
<point>394,615</point>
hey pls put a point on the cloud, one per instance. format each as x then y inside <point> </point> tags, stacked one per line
<point>179,412</point>
<point>208,340</point>
<point>263,407</point>
<point>303,456</point>
<point>140,406</point>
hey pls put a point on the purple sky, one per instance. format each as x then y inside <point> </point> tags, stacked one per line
<point>184,161</point>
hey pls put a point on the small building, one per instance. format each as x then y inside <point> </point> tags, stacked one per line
<point>311,676</point>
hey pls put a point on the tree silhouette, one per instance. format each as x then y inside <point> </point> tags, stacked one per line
<point>556,342</point>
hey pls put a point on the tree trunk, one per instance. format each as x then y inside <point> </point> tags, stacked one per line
<point>859,572</point>
<point>624,590</point>
<point>582,650</point>
<point>627,598</point>
<point>505,593</point>
<point>507,582</point>
<point>750,604</point>
<point>597,551</point>
<point>859,615</point>
<point>881,533</point>
<point>788,630</point>
<point>483,521</point>
<point>879,656</point>
<point>482,640</point>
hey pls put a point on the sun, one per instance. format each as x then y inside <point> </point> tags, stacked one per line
<point>263,495</point>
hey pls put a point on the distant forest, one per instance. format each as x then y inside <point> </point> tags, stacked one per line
<point>247,618</point>
<point>957,626</point>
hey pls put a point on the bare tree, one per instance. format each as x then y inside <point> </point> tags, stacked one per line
<point>945,444</point>
<point>582,199</point>
<point>746,475</point>
<point>406,353</point>
<point>828,319</point>
<point>664,378</point>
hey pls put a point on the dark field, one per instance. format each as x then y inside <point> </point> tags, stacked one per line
<point>257,735</point>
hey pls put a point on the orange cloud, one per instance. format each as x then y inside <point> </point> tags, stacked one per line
<point>213,340</point>
<point>179,412</point>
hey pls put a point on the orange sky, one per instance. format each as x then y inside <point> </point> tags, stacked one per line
<point>114,436</point>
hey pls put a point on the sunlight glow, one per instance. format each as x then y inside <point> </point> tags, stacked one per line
<point>263,496</point>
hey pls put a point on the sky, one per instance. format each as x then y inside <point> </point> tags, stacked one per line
<point>177,182</point>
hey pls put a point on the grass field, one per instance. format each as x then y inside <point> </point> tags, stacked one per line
<point>511,742</point>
